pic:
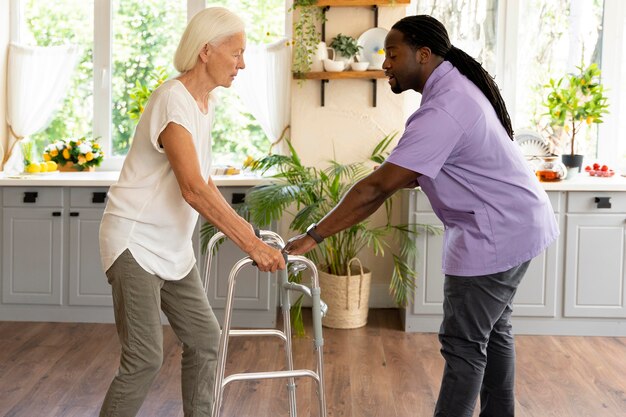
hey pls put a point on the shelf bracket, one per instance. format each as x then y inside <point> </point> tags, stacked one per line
<point>323,84</point>
<point>375,8</point>
<point>324,10</point>
<point>374,90</point>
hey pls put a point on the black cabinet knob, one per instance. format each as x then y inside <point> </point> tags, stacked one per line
<point>74,214</point>
<point>238,198</point>
<point>56,213</point>
<point>30,197</point>
<point>99,197</point>
<point>603,202</point>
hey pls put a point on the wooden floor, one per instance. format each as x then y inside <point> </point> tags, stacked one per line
<point>63,370</point>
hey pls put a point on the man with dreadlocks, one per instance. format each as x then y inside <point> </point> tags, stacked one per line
<point>458,148</point>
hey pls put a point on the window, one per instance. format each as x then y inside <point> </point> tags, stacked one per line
<point>566,34</point>
<point>53,24</point>
<point>471,26</point>
<point>525,43</point>
<point>144,37</point>
<point>127,41</point>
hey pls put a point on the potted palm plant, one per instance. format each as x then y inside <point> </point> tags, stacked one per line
<point>573,101</point>
<point>308,193</point>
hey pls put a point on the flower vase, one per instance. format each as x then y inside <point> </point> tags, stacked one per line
<point>70,167</point>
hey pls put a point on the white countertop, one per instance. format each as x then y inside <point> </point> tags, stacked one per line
<point>585,182</point>
<point>582,182</point>
<point>107,178</point>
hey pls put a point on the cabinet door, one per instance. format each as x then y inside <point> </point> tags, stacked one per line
<point>595,277</point>
<point>536,294</point>
<point>87,283</point>
<point>32,255</point>
<point>428,297</point>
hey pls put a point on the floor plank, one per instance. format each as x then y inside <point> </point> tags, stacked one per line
<point>64,369</point>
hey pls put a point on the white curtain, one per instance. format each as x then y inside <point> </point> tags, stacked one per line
<point>264,86</point>
<point>38,78</point>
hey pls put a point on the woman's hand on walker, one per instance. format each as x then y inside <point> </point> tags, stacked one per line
<point>267,258</point>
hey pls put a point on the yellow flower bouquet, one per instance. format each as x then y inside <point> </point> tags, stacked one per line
<point>83,154</point>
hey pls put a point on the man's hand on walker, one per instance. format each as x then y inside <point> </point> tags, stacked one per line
<point>299,245</point>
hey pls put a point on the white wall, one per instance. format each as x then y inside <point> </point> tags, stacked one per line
<point>4,43</point>
<point>348,127</point>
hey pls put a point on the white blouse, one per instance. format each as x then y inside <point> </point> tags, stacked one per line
<point>146,212</point>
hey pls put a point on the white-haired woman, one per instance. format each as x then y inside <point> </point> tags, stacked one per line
<point>146,231</point>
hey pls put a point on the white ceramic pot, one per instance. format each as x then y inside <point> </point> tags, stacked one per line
<point>359,66</point>
<point>334,66</point>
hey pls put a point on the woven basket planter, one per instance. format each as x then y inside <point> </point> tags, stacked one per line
<point>347,297</point>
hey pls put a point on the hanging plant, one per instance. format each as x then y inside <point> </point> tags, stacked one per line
<point>305,34</point>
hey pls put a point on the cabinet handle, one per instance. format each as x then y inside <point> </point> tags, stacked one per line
<point>74,214</point>
<point>56,213</point>
<point>238,198</point>
<point>30,197</point>
<point>603,202</point>
<point>98,197</point>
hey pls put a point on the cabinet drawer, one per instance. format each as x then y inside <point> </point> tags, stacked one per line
<point>596,202</point>
<point>88,197</point>
<point>32,196</point>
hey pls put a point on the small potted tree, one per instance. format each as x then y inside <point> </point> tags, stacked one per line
<point>573,101</point>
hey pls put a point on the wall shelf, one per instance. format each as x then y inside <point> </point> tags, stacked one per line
<point>358,3</point>
<point>340,75</point>
<point>325,76</point>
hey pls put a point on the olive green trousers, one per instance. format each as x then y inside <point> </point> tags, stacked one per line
<point>138,298</point>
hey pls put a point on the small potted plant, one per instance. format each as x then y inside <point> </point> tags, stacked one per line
<point>345,47</point>
<point>573,101</point>
<point>74,154</point>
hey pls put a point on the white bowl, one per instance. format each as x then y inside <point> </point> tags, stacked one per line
<point>359,66</point>
<point>334,66</point>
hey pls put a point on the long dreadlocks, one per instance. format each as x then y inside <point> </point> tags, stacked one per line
<point>424,30</point>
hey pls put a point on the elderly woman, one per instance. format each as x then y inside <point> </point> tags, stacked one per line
<point>146,231</point>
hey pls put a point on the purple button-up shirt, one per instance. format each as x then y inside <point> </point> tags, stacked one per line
<point>495,213</point>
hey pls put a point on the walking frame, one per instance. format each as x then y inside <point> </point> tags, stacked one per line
<point>319,309</point>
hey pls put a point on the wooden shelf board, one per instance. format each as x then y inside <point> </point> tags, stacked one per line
<point>342,75</point>
<point>356,3</point>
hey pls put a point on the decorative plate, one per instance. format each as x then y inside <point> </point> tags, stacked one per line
<point>532,143</point>
<point>372,41</point>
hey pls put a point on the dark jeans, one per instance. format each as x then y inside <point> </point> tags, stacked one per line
<point>477,344</point>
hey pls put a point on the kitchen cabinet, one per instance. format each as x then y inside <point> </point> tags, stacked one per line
<point>51,268</point>
<point>576,286</point>
<point>595,273</point>
<point>32,246</point>
<point>88,284</point>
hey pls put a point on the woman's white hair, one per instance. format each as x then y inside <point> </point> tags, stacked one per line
<point>208,26</point>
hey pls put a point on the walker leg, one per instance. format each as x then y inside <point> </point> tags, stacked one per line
<point>286,310</point>
<point>223,348</point>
